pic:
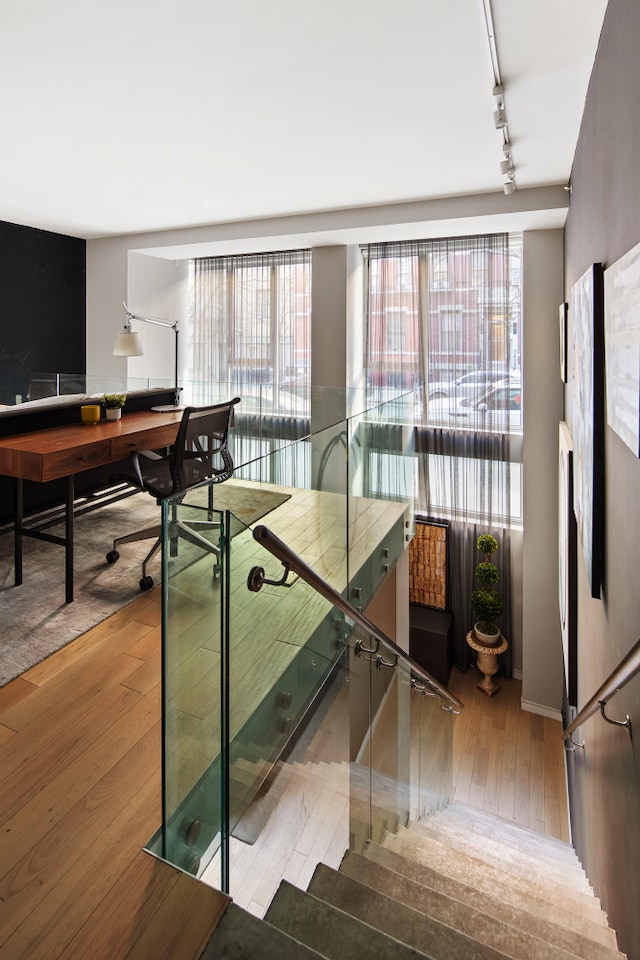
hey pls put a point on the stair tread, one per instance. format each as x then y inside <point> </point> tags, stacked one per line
<point>467,866</point>
<point>568,877</point>
<point>332,932</point>
<point>399,920</point>
<point>475,913</point>
<point>504,897</point>
<point>507,832</point>
<point>239,936</point>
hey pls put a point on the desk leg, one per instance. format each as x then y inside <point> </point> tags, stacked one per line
<point>17,535</point>
<point>68,549</point>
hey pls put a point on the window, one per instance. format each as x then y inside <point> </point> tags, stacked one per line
<point>460,349</point>
<point>250,331</point>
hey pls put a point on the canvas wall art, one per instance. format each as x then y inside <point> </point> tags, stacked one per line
<point>567,584</point>
<point>622,347</point>
<point>562,319</point>
<point>587,391</point>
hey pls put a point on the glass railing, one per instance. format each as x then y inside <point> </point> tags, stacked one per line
<point>263,688</point>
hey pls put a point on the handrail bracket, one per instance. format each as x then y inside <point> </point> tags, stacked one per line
<point>256,579</point>
<point>616,723</point>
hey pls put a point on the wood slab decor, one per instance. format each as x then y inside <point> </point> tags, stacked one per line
<point>428,564</point>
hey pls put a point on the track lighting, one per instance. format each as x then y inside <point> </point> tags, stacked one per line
<point>507,166</point>
<point>509,187</point>
<point>500,118</point>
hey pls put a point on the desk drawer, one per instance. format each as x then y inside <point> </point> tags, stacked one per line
<point>161,436</point>
<point>75,460</point>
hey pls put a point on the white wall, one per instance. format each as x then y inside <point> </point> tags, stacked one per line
<point>157,288</point>
<point>543,292</point>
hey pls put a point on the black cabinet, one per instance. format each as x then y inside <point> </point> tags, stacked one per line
<point>430,640</point>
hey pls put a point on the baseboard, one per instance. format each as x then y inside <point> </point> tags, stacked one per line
<point>516,674</point>
<point>541,710</point>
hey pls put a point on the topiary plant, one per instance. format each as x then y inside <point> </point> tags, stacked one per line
<point>486,602</point>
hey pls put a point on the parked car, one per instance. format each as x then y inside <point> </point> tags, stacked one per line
<point>468,385</point>
<point>498,408</point>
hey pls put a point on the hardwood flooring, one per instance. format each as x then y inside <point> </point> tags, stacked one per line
<point>80,796</point>
<point>506,761</point>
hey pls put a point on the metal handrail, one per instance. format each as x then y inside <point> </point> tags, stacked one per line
<point>623,673</point>
<point>291,561</point>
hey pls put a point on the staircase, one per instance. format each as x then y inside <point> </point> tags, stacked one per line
<point>458,885</point>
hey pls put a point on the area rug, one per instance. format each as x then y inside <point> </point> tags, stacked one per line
<point>34,619</point>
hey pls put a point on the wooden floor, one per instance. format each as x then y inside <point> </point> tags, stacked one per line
<point>80,796</point>
<point>506,761</point>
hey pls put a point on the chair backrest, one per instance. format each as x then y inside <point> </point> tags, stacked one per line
<point>201,449</point>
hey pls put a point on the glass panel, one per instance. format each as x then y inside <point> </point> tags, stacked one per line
<point>381,744</point>
<point>432,729</point>
<point>284,654</point>
<point>265,704</point>
<point>192,642</point>
<point>381,493</point>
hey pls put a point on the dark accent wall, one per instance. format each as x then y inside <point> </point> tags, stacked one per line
<point>42,306</point>
<point>603,223</point>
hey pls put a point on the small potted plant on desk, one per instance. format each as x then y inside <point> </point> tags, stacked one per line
<point>485,601</point>
<point>113,404</point>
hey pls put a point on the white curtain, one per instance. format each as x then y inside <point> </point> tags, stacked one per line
<point>250,330</point>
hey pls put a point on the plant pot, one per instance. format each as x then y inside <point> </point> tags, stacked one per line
<point>113,413</point>
<point>487,633</point>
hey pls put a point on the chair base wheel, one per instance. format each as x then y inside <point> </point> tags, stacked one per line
<point>112,556</point>
<point>146,583</point>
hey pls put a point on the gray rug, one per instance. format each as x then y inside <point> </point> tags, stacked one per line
<point>34,619</point>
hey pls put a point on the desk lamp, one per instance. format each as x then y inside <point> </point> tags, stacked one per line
<point>129,344</point>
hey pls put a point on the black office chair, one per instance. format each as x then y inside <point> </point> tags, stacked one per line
<point>200,452</point>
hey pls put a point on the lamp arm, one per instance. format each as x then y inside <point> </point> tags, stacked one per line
<point>159,323</point>
<point>138,316</point>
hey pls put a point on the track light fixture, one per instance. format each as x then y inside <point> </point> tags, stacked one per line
<point>500,118</point>
<point>500,113</point>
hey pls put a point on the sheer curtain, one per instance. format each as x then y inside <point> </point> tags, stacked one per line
<point>443,316</point>
<point>250,328</point>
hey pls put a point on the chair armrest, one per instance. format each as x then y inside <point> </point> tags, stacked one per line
<point>134,457</point>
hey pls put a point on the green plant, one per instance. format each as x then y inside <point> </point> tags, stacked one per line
<point>486,602</point>
<point>113,401</point>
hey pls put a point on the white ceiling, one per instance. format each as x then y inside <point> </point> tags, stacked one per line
<point>124,116</point>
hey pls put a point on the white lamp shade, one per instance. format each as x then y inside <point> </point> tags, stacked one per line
<point>128,345</point>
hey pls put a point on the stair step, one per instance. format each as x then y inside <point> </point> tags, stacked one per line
<point>241,936</point>
<point>506,935</point>
<point>398,920</point>
<point>330,931</point>
<point>469,868</point>
<point>573,933</point>
<point>548,849</point>
<point>489,825</point>
<point>567,877</point>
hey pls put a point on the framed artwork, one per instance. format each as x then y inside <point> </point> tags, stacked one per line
<point>622,347</point>
<point>428,564</point>
<point>563,311</point>
<point>587,383</point>
<point>567,572</point>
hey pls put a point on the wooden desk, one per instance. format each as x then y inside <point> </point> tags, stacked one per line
<point>61,452</point>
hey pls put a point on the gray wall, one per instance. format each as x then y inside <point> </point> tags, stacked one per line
<point>542,409</point>
<point>603,223</point>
